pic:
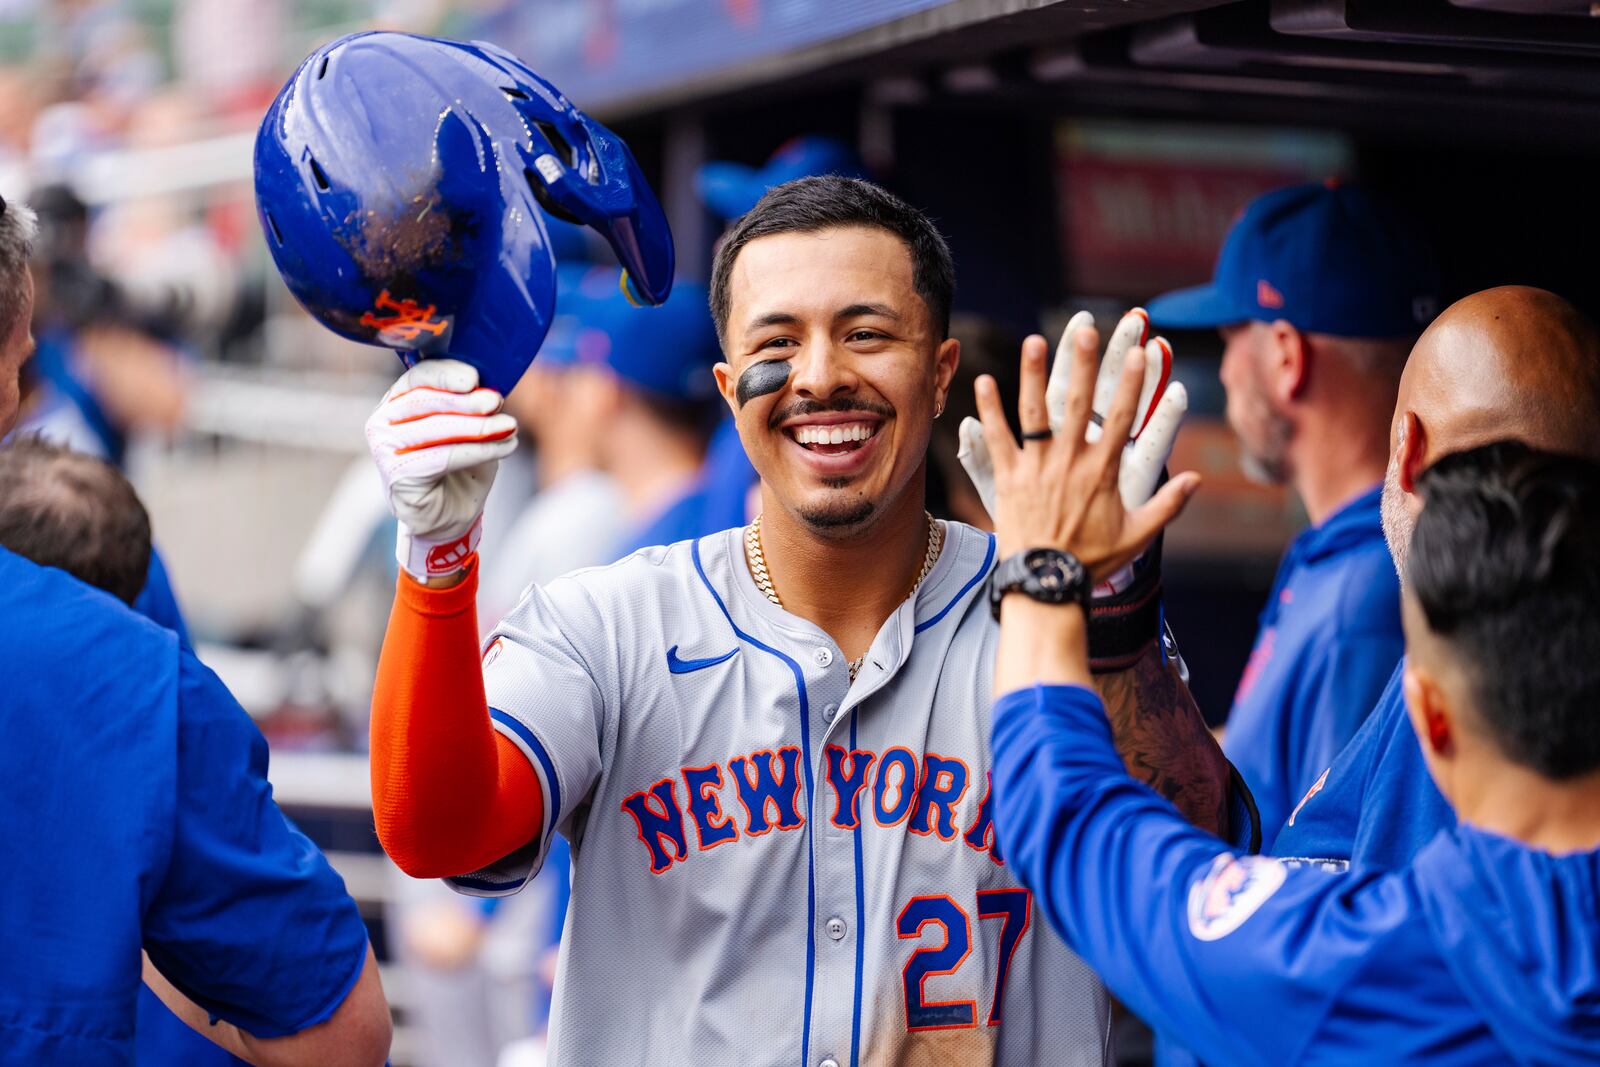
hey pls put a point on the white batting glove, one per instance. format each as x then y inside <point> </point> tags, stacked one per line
<point>437,439</point>
<point>1162,406</point>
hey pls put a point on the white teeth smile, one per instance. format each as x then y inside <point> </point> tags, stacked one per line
<point>837,434</point>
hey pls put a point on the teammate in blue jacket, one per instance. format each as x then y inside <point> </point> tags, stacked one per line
<point>1486,949</point>
<point>137,814</point>
<point>1320,291</point>
<point>1511,362</point>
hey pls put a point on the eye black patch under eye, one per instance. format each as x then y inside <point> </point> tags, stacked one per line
<point>762,378</point>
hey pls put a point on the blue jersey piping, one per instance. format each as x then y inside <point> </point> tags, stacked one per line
<point>861,920</point>
<point>988,558</point>
<point>526,736</point>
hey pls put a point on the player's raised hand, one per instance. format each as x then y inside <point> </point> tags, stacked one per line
<point>1161,407</point>
<point>437,439</point>
<point>1057,488</point>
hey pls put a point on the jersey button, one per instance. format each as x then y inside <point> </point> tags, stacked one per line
<point>829,1062</point>
<point>836,928</point>
<point>823,656</point>
<point>829,711</point>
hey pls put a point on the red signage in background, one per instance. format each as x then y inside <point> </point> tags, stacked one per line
<point>1145,207</point>
<point>1231,516</point>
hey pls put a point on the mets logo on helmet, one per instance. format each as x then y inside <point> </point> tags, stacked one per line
<point>406,322</point>
<point>1230,893</point>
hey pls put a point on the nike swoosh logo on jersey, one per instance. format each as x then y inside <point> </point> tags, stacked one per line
<point>684,666</point>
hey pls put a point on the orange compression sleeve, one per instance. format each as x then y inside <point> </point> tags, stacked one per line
<point>450,794</point>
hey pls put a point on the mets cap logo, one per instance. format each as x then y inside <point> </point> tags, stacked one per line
<point>405,321</point>
<point>1230,893</point>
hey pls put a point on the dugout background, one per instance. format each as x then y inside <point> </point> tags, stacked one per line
<point>1478,117</point>
<point>1077,153</point>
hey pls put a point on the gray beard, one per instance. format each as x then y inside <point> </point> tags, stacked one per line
<point>1260,469</point>
<point>1269,464</point>
<point>1397,521</point>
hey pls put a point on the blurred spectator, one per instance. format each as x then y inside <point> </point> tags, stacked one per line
<point>554,448</point>
<point>481,969</point>
<point>576,519</point>
<point>230,51</point>
<point>19,105</point>
<point>66,510</point>
<point>643,378</point>
<point>1319,292</point>
<point>101,370</point>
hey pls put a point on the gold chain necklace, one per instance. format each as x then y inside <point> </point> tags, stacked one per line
<point>757,561</point>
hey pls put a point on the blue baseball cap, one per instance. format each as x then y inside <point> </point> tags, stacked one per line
<point>579,288</point>
<point>667,350</point>
<point>1326,257</point>
<point>731,189</point>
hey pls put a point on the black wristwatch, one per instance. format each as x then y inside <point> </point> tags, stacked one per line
<point>1048,575</point>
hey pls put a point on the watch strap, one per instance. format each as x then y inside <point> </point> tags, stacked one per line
<point>1122,627</point>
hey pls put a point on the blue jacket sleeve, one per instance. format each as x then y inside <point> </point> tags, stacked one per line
<point>1239,954</point>
<point>250,921</point>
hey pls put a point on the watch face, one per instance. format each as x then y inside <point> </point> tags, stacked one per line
<point>1044,574</point>
<point>1051,571</point>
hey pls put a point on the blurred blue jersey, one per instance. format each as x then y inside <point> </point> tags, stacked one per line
<point>135,812</point>
<point>728,477</point>
<point>157,602</point>
<point>682,520</point>
<point>1481,952</point>
<point>717,501</point>
<point>1376,806</point>
<point>1329,638</point>
<point>161,1038</point>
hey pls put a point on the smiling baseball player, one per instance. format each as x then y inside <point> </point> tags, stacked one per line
<point>768,747</point>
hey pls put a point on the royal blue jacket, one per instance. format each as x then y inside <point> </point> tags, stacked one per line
<point>135,812</point>
<point>1328,641</point>
<point>1376,806</point>
<point>162,1039</point>
<point>1480,952</point>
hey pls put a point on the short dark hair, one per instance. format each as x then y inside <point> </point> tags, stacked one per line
<point>807,205</point>
<point>64,509</point>
<point>1505,564</point>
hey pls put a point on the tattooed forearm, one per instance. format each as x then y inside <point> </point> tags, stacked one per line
<point>1164,741</point>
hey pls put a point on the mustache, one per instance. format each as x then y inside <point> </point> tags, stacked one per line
<point>816,407</point>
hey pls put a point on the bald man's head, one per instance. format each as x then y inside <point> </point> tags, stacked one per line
<point>1512,363</point>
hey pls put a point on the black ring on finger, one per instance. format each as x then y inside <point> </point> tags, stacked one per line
<point>1039,435</point>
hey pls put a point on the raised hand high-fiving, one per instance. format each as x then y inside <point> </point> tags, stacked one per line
<point>1056,488</point>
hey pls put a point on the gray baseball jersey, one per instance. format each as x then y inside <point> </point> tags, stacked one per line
<point>772,866</point>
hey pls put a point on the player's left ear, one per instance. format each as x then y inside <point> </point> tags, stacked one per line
<point>1289,361</point>
<point>723,372</point>
<point>1431,720</point>
<point>946,359</point>
<point>1411,448</point>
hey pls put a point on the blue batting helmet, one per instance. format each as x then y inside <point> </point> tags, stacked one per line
<point>400,182</point>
